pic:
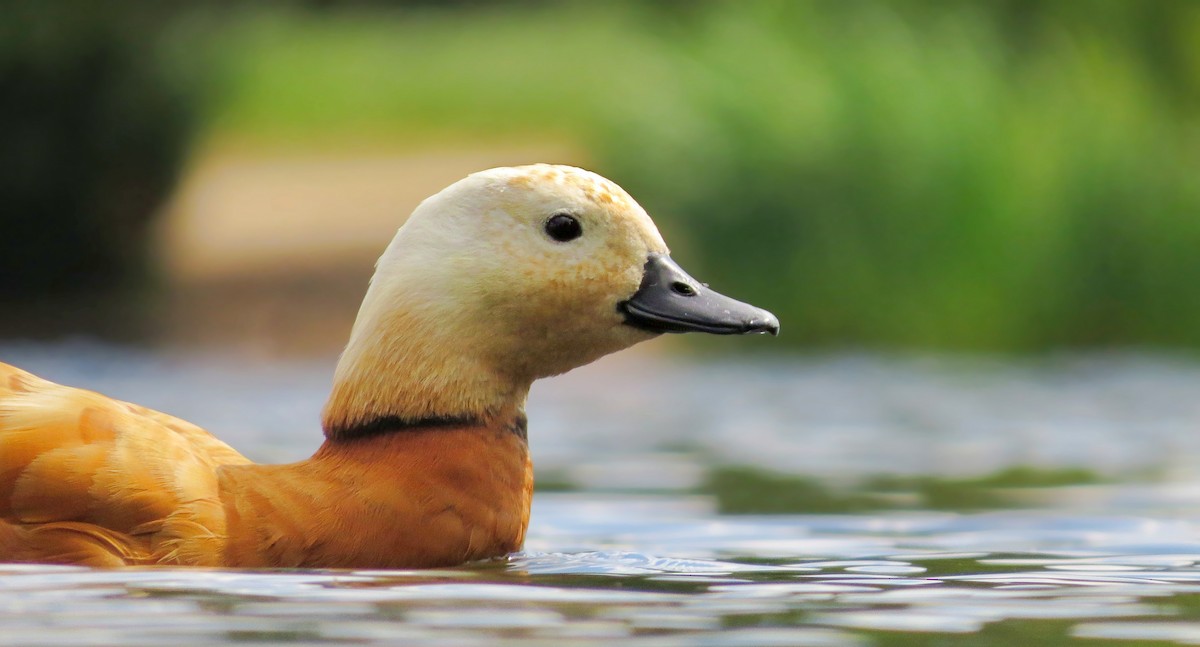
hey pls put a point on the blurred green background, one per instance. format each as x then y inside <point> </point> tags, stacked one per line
<point>1014,175</point>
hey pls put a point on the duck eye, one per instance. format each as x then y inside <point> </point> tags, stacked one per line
<point>563,227</point>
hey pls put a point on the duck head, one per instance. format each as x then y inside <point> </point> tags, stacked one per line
<point>506,276</point>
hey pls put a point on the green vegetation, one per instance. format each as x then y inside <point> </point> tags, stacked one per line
<point>938,177</point>
<point>1013,175</point>
<point>943,174</point>
<point>424,77</point>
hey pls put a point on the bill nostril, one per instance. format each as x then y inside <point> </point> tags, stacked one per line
<point>683,289</point>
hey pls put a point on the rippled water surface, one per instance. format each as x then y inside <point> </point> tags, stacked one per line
<point>635,545</point>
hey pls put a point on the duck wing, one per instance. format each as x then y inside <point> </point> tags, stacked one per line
<point>86,479</point>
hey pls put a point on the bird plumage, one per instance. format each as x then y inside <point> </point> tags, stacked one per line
<point>91,480</point>
<point>86,479</point>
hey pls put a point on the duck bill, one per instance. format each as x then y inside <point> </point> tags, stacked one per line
<point>669,300</point>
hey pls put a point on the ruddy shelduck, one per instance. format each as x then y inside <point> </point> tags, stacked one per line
<point>504,277</point>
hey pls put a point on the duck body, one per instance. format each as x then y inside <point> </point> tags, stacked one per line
<point>86,479</point>
<point>505,277</point>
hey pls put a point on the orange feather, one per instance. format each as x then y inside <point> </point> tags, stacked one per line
<point>85,479</point>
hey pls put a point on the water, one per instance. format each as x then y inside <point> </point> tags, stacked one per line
<point>635,551</point>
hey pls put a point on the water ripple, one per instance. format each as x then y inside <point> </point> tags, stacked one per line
<point>616,564</point>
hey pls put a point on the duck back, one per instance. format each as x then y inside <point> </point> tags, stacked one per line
<point>86,479</point>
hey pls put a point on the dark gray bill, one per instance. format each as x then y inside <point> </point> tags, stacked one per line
<point>671,301</point>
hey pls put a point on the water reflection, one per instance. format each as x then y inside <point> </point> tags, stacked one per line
<point>844,575</point>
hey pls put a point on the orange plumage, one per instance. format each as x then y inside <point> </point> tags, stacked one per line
<point>85,479</point>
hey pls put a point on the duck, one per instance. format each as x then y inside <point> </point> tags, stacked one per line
<point>506,276</point>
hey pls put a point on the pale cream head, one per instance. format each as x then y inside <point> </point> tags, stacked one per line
<point>473,299</point>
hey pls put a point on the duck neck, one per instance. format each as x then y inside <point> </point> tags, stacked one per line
<point>398,372</point>
<point>424,498</point>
